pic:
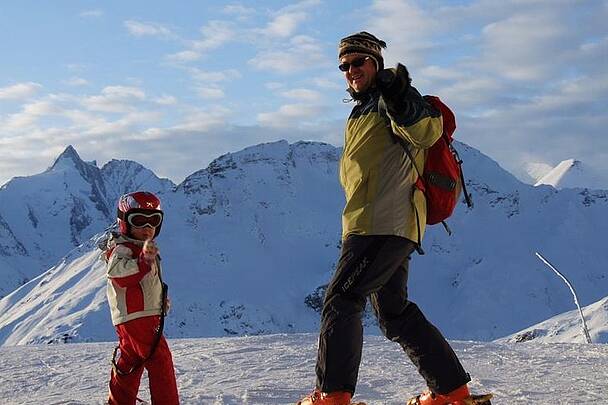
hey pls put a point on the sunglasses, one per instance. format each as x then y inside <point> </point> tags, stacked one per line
<point>139,220</point>
<point>345,66</point>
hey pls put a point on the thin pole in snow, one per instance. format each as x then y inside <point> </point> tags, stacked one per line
<point>580,311</point>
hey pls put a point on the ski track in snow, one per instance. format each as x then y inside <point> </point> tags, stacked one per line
<point>279,369</point>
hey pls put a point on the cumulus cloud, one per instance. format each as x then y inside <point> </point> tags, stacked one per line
<point>184,56</point>
<point>289,115</point>
<point>19,91</point>
<point>310,96</point>
<point>207,76</point>
<point>284,25</point>
<point>214,34</point>
<point>142,29</point>
<point>210,92</point>
<point>166,100</point>
<point>114,99</point>
<point>239,11</point>
<point>301,53</point>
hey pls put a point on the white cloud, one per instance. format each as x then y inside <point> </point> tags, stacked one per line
<point>29,115</point>
<point>214,34</point>
<point>274,86</point>
<point>526,46</point>
<point>92,13</point>
<point>406,27</point>
<point>19,91</point>
<point>76,81</point>
<point>141,29</point>
<point>166,100</point>
<point>214,76</point>
<point>289,115</point>
<point>210,92</point>
<point>238,10</point>
<point>184,56</point>
<point>306,95</point>
<point>302,53</point>
<point>329,84</point>
<point>114,99</point>
<point>284,25</point>
<point>203,120</point>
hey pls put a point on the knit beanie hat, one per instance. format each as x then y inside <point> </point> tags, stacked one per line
<point>363,43</point>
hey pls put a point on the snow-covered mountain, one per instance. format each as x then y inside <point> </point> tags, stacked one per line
<point>43,217</point>
<point>568,327</point>
<point>569,173</point>
<point>249,242</point>
<point>279,370</point>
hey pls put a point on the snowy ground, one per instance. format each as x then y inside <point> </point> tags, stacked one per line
<point>279,369</point>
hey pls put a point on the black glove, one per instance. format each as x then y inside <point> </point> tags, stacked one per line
<point>393,84</point>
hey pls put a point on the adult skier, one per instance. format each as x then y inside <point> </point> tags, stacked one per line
<point>382,222</point>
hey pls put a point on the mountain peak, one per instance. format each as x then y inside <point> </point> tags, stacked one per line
<point>569,173</point>
<point>68,155</point>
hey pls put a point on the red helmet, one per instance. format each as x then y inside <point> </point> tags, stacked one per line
<point>138,202</point>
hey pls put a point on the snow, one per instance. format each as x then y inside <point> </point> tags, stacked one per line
<point>279,369</point>
<point>570,173</point>
<point>536,170</point>
<point>567,327</point>
<point>247,241</point>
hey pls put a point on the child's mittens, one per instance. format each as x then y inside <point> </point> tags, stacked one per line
<point>149,251</point>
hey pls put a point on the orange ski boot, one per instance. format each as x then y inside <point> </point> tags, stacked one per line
<point>460,396</point>
<point>326,398</point>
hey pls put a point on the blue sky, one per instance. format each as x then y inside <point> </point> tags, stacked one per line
<point>175,85</point>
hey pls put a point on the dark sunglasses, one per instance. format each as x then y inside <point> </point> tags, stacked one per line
<point>345,66</point>
<point>139,220</point>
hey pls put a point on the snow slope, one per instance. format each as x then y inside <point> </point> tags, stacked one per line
<point>570,173</point>
<point>43,217</point>
<point>250,241</point>
<point>567,327</point>
<point>279,369</point>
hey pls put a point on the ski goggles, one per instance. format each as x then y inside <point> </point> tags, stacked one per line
<point>140,220</point>
<point>345,66</point>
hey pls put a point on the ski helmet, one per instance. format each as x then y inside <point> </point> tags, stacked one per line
<point>138,202</point>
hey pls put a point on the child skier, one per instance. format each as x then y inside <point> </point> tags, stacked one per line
<point>137,299</point>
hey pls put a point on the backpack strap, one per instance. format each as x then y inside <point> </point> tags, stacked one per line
<point>419,183</point>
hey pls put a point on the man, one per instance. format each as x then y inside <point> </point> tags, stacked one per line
<point>383,223</point>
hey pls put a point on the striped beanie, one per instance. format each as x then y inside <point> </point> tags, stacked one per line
<point>363,43</point>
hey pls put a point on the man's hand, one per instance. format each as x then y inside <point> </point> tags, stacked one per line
<point>149,251</point>
<point>393,84</point>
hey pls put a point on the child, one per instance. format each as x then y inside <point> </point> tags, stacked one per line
<point>137,299</point>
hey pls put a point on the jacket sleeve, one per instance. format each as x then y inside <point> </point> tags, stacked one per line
<point>414,119</point>
<point>124,269</point>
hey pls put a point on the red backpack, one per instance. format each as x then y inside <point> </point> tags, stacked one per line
<point>442,181</point>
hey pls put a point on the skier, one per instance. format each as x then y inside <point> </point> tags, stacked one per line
<point>381,228</point>
<point>137,299</point>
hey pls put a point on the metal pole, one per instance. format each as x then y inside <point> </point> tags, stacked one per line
<point>580,311</point>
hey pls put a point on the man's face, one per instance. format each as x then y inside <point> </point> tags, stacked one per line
<point>360,78</point>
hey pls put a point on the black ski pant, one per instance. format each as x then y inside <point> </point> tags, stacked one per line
<point>377,266</point>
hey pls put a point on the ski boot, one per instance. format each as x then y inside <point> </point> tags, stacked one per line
<point>460,396</point>
<point>323,398</point>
